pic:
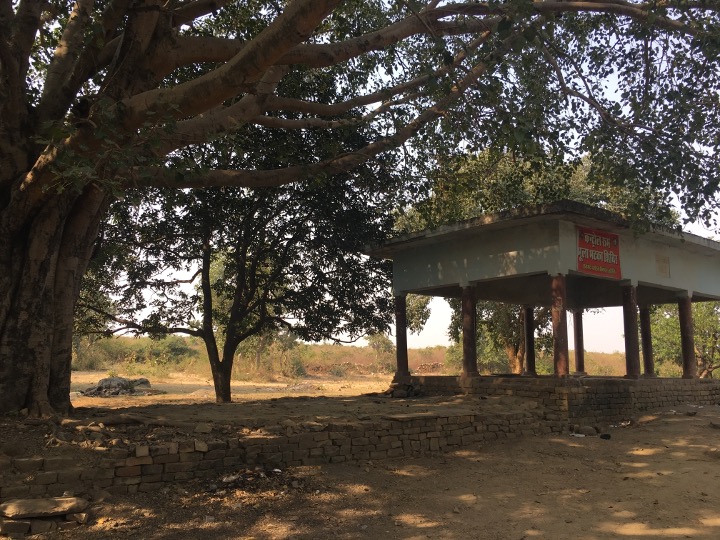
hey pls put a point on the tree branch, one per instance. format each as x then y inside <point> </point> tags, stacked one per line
<point>67,50</point>
<point>93,56</point>
<point>25,26</point>
<point>194,10</point>
<point>294,25</point>
<point>192,49</point>
<point>166,178</point>
<point>221,119</point>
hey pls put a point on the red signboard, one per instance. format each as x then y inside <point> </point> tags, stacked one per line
<point>598,253</point>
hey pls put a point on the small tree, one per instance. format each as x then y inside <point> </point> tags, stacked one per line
<point>263,260</point>
<point>381,345</point>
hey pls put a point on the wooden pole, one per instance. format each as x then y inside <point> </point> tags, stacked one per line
<point>579,342</point>
<point>469,328</point>
<point>632,339</point>
<point>646,341</point>
<point>687,338</point>
<point>529,323</point>
<point>559,323</point>
<point>401,337</point>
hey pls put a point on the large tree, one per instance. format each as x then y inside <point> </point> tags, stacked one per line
<point>99,97</point>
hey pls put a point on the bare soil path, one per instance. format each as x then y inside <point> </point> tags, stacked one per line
<point>657,478</point>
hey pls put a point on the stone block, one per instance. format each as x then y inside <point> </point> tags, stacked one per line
<point>12,492</point>
<point>179,467</point>
<point>10,526</point>
<point>44,478</point>
<point>41,526</point>
<point>201,446</point>
<point>58,463</point>
<point>48,507</point>
<point>166,458</point>
<point>186,446</point>
<point>135,470</point>
<point>215,454</point>
<point>142,451</point>
<point>69,475</point>
<point>190,457</point>
<point>144,460</point>
<point>216,445</point>
<point>152,469</point>
<point>28,464</point>
<point>150,486</point>
<point>126,480</point>
<point>159,451</point>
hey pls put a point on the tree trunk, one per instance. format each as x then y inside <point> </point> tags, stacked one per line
<point>42,263</point>
<point>515,358</point>
<point>222,374</point>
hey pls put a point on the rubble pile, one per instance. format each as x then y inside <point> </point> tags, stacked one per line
<point>120,386</point>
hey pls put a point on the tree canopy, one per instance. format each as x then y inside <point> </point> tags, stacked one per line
<point>256,262</point>
<point>666,337</point>
<point>100,97</point>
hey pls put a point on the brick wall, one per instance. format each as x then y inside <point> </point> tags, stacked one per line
<point>147,468</point>
<point>585,400</point>
<point>561,402</point>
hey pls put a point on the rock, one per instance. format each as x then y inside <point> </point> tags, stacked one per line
<point>113,383</point>
<point>588,431</point>
<point>313,426</point>
<point>203,428</point>
<point>201,446</point>
<point>80,517</point>
<point>52,506</point>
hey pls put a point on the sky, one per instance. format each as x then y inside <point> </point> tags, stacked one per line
<point>603,331</point>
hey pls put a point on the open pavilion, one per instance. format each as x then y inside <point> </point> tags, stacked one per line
<point>567,256</point>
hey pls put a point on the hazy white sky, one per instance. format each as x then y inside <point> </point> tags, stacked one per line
<point>603,332</point>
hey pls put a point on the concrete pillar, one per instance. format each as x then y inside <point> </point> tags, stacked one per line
<point>529,324</point>
<point>469,328</point>
<point>687,338</point>
<point>579,342</point>
<point>559,324</point>
<point>630,326</point>
<point>401,337</point>
<point>646,341</point>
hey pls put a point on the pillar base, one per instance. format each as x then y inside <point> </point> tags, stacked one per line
<point>632,377</point>
<point>649,376</point>
<point>529,374</point>
<point>689,377</point>
<point>579,374</point>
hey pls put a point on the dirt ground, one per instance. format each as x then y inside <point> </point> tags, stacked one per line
<point>655,478</point>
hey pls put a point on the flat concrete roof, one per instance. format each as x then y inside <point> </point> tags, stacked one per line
<point>510,256</point>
